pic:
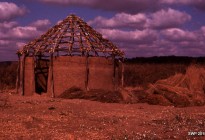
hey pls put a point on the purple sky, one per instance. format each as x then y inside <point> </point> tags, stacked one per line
<point>139,27</point>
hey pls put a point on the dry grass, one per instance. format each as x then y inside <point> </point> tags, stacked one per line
<point>8,73</point>
<point>179,90</point>
<point>144,74</point>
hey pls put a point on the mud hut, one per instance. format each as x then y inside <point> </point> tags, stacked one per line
<point>70,54</point>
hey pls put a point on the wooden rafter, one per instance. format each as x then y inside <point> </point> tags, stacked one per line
<point>76,36</point>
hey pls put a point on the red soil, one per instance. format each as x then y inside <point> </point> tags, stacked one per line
<point>40,117</point>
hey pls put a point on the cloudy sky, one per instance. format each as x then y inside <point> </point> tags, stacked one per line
<point>139,27</point>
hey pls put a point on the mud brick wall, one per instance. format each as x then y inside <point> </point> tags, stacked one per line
<point>100,73</point>
<point>29,79</point>
<point>68,72</point>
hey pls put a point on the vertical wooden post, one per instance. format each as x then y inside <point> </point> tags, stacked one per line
<point>22,74</point>
<point>122,75</point>
<point>114,73</point>
<point>86,72</point>
<point>34,74</point>
<point>18,75</point>
<point>52,80</point>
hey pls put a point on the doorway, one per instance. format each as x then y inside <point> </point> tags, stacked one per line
<point>41,75</point>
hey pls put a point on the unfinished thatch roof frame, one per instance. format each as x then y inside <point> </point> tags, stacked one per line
<point>71,37</point>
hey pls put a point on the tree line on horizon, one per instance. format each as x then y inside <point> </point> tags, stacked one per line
<point>167,59</point>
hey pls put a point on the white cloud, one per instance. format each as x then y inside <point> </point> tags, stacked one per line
<point>41,24</point>
<point>203,30</point>
<point>10,10</point>
<point>11,30</point>
<point>137,36</point>
<point>159,20</point>
<point>176,34</point>
<point>173,41</point>
<point>7,25</point>
<point>27,32</point>
<point>20,44</point>
<point>4,42</point>
<point>168,18</point>
<point>120,20</point>
<point>13,36</point>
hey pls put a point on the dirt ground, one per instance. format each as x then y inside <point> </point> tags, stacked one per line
<point>41,117</point>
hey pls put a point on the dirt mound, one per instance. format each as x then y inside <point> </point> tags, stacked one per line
<point>179,90</point>
<point>93,95</point>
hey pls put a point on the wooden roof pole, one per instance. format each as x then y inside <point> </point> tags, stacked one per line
<point>114,72</point>
<point>18,76</point>
<point>22,71</point>
<point>122,74</point>
<point>52,78</point>
<point>94,42</point>
<point>87,71</point>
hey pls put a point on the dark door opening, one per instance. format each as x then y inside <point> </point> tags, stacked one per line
<point>41,75</point>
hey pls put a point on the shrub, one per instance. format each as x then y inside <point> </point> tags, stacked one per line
<point>8,72</point>
<point>141,74</point>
